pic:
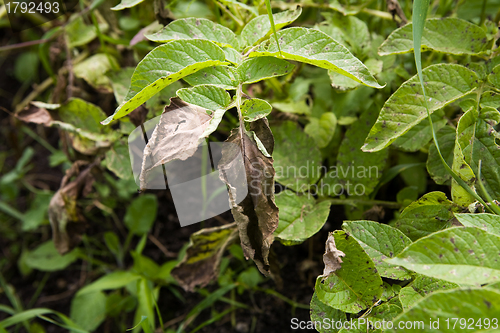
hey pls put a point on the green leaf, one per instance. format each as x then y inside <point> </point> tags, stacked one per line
<point>255,108</point>
<point>195,28</point>
<point>446,35</point>
<point>348,30</point>
<point>465,136</point>
<point>114,280</point>
<point>165,64</point>
<point>260,27</point>
<point>446,138</point>
<point>120,81</point>
<point>256,69</point>
<point>380,241</point>
<point>141,214</point>
<point>420,135</point>
<point>464,255</point>
<point>300,217</point>
<point>94,68</point>
<point>322,129</point>
<point>494,77</point>
<point>477,140</point>
<point>297,159</point>
<point>487,222</point>
<point>79,33</point>
<point>317,48</point>
<point>326,315</point>
<point>206,96</point>
<point>421,287</point>
<point>344,83</point>
<point>445,308</point>
<point>220,76</point>
<point>126,4</point>
<point>89,310</point>
<point>117,160</point>
<point>405,109</point>
<point>356,285</point>
<point>356,172</point>
<point>46,258</point>
<point>232,55</point>
<point>430,213</point>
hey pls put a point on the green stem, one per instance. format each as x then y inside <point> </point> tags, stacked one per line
<point>284,298</point>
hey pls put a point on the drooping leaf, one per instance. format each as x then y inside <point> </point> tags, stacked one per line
<point>254,109</point>
<point>326,315</point>
<point>260,28</point>
<point>94,68</point>
<point>205,96</point>
<point>177,136</point>
<point>356,285</point>
<point>141,214</point>
<point>203,256</point>
<point>332,258</point>
<point>420,135</point>
<point>89,310</point>
<point>446,138</point>
<point>65,218</point>
<point>126,4</point>
<point>256,69</point>
<point>380,241</point>
<point>195,28</point>
<point>220,76</point>
<point>357,173</point>
<point>81,119</point>
<point>477,140</point>
<point>464,255</point>
<point>46,258</point>
<point>322,129</point>
<point>317,48</point>
<point>295,151</point>
<point>300,217</point>
<point>162,66</point>
<point>422,286</point>
<point>405,109</point>
<point>474,304</point>
<point>344,83</point>
<point>487,222</point>
<point>255,211</point>
<point>463,139</point>
<point>430,213</point>
<point>447,35</point>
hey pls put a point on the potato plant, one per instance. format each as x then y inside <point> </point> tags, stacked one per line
<point>334,106</point>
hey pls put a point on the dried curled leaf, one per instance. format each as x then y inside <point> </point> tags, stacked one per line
<point>256,214</point>
<point>177,136</point>
<point>67,224</point>
<point>331,258</point>
<point>203,255</point>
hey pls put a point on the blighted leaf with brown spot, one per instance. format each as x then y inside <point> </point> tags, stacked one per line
<point>176,136</point>
<point>35,114</point>
<point>256,214</point>
<point>66,222</point>
<point>203,256</point>
<point>332,257</point>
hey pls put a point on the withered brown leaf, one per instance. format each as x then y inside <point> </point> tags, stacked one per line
<point>203,256</point>
<point>256,214</point>
<point>331,258</point>
<point>67,224</point>
<point>176,136</point>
